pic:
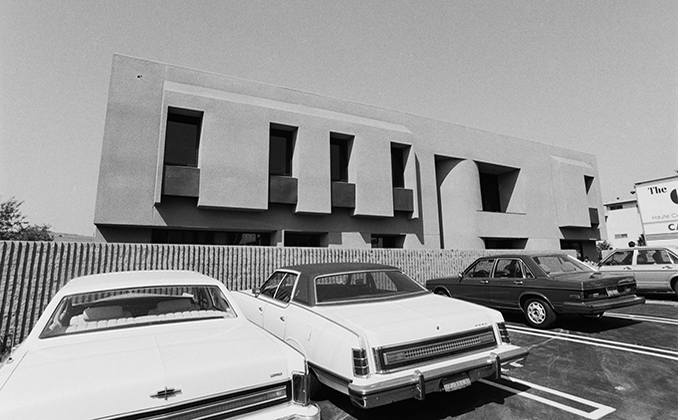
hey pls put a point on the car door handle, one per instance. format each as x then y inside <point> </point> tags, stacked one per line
<point>484,281</point>
<point>518,282</point>
<point>667,267</point>
<point>626,268</point>
<point>261,309</point>
<point>282,318</point>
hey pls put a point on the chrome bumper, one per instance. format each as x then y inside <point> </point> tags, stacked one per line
<point>423,381</point>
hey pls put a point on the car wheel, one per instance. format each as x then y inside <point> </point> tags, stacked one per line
<point>675,287</point>
<point>442,292</point>
<point>538,313</point>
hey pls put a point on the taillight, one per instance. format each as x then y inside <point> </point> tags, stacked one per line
<point>360,363</point>
<point>503,333</point>
<point>300,383</point>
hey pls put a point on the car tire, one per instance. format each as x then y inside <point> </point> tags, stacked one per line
<point>538,313</point>
<point>442,292</point>
<point>675,287</point>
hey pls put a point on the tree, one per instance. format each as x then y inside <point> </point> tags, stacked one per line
<point>13,225</point>
<point>602,246</point>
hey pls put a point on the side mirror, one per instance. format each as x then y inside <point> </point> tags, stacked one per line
<point>256,291</point>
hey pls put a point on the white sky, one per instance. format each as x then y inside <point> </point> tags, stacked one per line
<point>595,76</point>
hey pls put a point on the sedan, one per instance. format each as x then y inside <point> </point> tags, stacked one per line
<point>376,335</point>
<point>147,345</point>
<point>654,268</point>
<point>542,286</point>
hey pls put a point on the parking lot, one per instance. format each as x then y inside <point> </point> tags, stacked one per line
<point>622,366</point>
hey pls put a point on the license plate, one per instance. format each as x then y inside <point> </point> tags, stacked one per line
<point>612,291</point>
<point>455,384</point>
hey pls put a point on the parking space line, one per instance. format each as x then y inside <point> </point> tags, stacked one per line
<point>643,318</point>
<point>598,412</point>
<point>615,345</point>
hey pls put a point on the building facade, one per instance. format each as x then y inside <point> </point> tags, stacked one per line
<point>623,223</point>
<point>194,157</point>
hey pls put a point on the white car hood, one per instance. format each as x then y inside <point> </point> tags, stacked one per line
<point>410,319</point>
<point>111,372</point>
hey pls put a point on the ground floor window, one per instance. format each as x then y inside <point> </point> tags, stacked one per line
<point>502,243</point>
<point>387,241</point>
<point>209,237</point>
<point>304,239</point>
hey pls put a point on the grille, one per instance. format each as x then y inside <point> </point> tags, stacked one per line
<point>218,407</point>
<point>394,357</point>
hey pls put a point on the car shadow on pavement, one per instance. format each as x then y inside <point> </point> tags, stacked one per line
<point>576,323</point>
<point>436,406</point>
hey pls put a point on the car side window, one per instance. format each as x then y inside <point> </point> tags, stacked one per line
<point>284,293</point>
<point>482,268</point>
<point>619,258</point>
<point>271,285</point>
<point>508,268</point>
<point>643,258</point>
<point>660,256</point>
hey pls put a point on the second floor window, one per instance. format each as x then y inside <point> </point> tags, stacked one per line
<point>182,137</point>
<point>398,156</point>
<point>340,145</point>
<point>281,149</point>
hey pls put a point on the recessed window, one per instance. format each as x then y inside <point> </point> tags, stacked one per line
<point>182,137</point>
<point>398,159</point>
<point>281,149</point>
<point>340,147</point>
<point>588,182</point>
<point>620,235</point>
<point>303,239</point>
<point>208,237</point>
<point>496,186</point>
<point>616,207</point>
<point>387,241</point>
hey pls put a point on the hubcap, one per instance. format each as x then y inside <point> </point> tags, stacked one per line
<point>536,312</point>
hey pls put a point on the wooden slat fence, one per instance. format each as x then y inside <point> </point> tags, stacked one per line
<point>32,272</point>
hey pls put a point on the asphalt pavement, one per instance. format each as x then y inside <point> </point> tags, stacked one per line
<point>622,366</point>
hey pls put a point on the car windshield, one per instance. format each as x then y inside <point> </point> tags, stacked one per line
<point>122,308</point>
<point>365,285</point>
<point>559,264</point>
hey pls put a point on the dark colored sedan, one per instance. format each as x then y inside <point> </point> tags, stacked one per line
<point>542,286</point>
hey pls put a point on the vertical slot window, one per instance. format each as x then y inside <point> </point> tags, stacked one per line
<point>340,149</point>
<point>398,156</point>
<point>182,137</point>
<point>281,150</point>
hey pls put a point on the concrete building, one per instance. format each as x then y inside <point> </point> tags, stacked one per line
<point>193,157</point>
<point>623,223</point>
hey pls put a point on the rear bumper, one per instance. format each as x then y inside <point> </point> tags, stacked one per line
<point>424,381</point>
<point>600,306</point>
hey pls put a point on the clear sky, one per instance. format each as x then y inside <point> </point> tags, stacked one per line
<point>595,76</point>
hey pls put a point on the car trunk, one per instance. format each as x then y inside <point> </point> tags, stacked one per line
<point>102,373</point>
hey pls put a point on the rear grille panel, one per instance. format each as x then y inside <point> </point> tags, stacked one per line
<point>402,356</point>
<point>219,407</point>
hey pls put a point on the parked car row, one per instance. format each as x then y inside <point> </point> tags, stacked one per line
<point>178,344</point>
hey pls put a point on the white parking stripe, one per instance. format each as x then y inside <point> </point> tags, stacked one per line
<point>615,345</point>
<point>643,318</point>
<point>598,412</point>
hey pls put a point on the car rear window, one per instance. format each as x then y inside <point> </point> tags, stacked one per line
<point>122,308</point>
<point>366,285</point>
<point>556,264</point>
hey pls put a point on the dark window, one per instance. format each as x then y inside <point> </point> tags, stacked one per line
<point>340,145</point>
<point>616,207</point>
<point>489,190</point>
<point>482,268</point>
<point>387,241</point>
<point>302,239</point>
<point>588,181</point>
<point>182,137</point>
<point>501,243</point>
<point>281,150</point>
<point>269,288</point>
<point>206,237</point>
<point>398,155</point>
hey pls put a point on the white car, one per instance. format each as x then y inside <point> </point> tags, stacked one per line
<point>148,345</point>
<point>655,268</point>
<point>371,332</point>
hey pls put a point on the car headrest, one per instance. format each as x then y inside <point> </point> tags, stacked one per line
<point>97,313</point>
